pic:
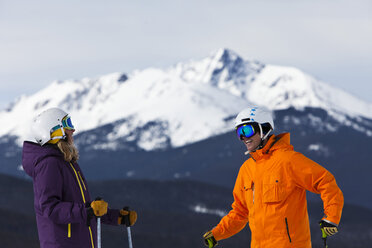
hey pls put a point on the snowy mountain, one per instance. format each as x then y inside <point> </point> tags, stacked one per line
<point>276,87</point>
<point>183,104</point>
<point>177,123</point>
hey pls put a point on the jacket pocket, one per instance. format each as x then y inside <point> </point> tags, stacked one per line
<point>249,192</point>
<point>274,190</point>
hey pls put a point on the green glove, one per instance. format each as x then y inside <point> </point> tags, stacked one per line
<point>209,239</point>
<point>328,229</point>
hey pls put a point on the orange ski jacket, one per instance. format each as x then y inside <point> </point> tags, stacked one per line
<point>270,194</point>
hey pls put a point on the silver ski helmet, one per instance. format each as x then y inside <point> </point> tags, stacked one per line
<point>50,121</point>
<point>256,115</point>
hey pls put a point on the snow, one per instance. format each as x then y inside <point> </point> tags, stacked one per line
<point>179,175</point>
<point>320,149</point>
<point>130,173</point>
<point>183,104</point>
<point>314,147</point>
<point>199,208</point>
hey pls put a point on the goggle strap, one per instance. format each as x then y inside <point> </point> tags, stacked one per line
<point>59,137</point>
<point>267,134</point>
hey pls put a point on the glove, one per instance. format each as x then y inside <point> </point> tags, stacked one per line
<point>328,229</point>
<point>99,207</point>
<point>127,217</point>
<point>209,240</point>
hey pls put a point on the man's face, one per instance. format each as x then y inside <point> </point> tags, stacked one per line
<point>252,142</point>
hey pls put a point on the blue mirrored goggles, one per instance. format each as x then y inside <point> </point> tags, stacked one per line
<point>67,123</point>
<point>246,130</point>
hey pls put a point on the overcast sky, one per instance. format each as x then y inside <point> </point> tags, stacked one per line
<point>42,41</point>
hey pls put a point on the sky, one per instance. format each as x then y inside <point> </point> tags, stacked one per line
<point>42,41</point>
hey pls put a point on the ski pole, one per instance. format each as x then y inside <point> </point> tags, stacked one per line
<point>127,223</point>
<point>99,232</point>
<point>129,237</point>
<point>98,227</point>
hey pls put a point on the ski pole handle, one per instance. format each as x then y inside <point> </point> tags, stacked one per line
<point>90,212</point>
<point>126,217</point>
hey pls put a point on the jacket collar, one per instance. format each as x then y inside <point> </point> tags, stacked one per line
<point>275,142</point>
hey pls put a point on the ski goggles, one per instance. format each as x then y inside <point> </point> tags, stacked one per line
<point>67,123</point>
<point>247,130</point>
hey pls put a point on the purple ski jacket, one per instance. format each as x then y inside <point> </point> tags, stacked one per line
<point>60,195</point>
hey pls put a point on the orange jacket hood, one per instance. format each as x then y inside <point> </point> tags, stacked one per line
<point>275,142</point>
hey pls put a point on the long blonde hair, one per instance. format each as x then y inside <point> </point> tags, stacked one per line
<point>70,152</point>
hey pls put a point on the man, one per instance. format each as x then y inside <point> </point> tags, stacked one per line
<point>270,190</point>
<point>65,214</point>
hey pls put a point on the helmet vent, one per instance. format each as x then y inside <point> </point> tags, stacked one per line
<point>246,119</point>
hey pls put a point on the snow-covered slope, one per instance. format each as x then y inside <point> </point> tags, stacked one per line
<point>188,102</point>
<point>187,112</point>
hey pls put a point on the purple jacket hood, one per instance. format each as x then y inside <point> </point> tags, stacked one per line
<point>33,153</point>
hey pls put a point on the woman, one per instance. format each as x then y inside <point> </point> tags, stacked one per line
<point>65,214</point>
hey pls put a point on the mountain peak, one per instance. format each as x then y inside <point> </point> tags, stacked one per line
<point>228,66</point>
<point>224,69</point>
<point>226,55</point>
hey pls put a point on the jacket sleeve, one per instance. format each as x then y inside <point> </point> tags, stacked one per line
<point>237,218</point>
<point>111,218</point>
<point>48,186</point>
<point>315,178</point>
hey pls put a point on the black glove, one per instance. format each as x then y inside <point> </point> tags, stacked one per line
<point>127,217</point>
<point>96,208</point>
<point>328,229</point>
<point>209,239</point>
<point>90,212</point>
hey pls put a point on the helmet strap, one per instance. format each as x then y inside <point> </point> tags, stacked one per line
<point>261,145</point>
<point>261,133</point>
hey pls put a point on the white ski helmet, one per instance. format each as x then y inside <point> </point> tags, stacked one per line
<point>44,124</point>
<point>259,115</point>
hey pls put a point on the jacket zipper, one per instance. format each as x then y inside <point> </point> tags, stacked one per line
<point>82,194</point>
<point>253,192</point>
<point>77,178</point>
<point>91,237</point>
<point>82,181</point>
<point>289,236</point>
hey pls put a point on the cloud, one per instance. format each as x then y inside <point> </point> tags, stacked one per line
<point>45,40</point>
